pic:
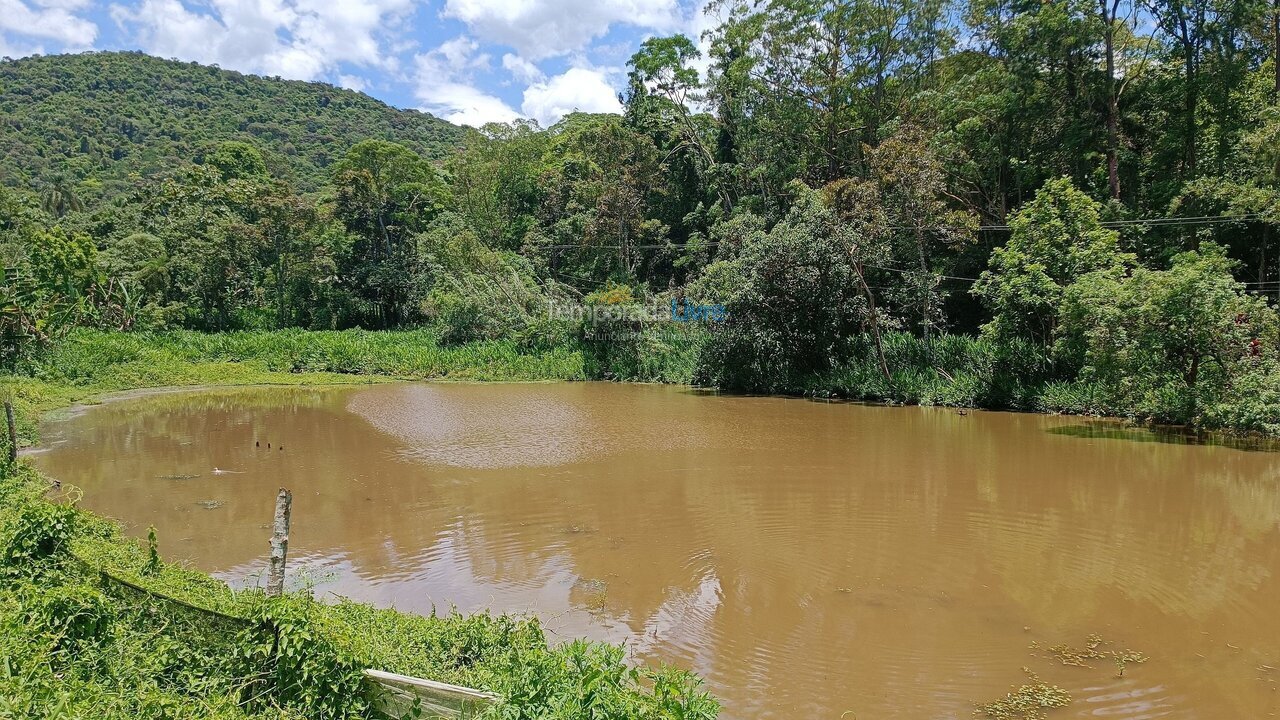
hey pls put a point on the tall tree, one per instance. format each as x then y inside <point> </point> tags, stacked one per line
<point>663,89</point>
<point>384,194</point>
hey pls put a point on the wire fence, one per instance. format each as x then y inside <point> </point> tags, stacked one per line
<point>214,639</point>
<point>393,696</point>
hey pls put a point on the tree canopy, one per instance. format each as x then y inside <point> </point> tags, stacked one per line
<point>1091,189</point>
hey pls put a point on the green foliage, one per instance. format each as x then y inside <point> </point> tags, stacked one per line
<point>385,193</point>
<point>665,352</point>
<point>599,183</point>
<point>715,284</point>
<point>952,370</point>
<point>153,552</point>
<point>477,293</point>
<point>1054,239</point>
<point>74,614</point>
<point>235,160</point>
<point>1168,344</point>
<point>119,361</point>
<point>36,532</point>
<point>64,264</point>
<point>101,120</point>
<point>496,181</point>
<point>797,303</point>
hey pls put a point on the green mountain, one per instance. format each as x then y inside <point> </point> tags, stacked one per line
<point>90,121</point>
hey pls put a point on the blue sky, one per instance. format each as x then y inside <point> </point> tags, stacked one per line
<point>468,61</point>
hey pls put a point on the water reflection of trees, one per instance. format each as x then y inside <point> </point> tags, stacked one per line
<point>889,552</point>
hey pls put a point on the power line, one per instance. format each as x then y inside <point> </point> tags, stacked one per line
<point>1155,222</point>
<point>931,274</point>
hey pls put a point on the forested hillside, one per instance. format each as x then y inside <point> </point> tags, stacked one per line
<point>85,122</point>
<point>1065,206</point>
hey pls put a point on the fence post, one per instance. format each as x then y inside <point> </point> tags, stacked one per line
<point>279,543</point>
<point>13,432</point>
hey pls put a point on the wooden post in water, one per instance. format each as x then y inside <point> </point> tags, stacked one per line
<point>13,432</point>
<point>279,543</point>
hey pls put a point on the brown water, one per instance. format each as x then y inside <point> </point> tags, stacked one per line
<point>807,559</point>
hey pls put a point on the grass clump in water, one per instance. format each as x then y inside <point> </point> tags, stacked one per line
<point>1093,650</point>
<point>1028,702</point>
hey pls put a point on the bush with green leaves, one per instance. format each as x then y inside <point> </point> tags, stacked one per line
<point>1186,345</point>
<point>797,303</point>
<point>1053,240</point>
<point>36,532</point>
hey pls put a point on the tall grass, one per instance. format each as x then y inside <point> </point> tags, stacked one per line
<point>665,352</point>
<point>90,356</point>
<point>955,370</point>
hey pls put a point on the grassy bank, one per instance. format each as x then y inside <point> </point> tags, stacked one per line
<point>965,371</point>
<point>952,370</point>
<point>77,643</point>
<point>78,646</point>
<point>89,363</point>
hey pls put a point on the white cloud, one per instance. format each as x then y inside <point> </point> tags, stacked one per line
<point>578,88</point>
<point>297,39</point>
<point>522,69</point>
<point>353,82</point>
<point>444,87</point>
<point>699,23</point>
<point>539,29</point>
<point>458,55</point>
<point>64,4</point>
<point>49,19</point>
<point>10,50</point>
<point>465,105</point>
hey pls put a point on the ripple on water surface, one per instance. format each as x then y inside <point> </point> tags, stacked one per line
<point>808,559</point>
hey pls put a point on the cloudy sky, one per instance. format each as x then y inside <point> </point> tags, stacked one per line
<point>468,61</point>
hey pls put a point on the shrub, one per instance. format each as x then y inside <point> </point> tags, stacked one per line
<point>797,303</point>
<point>75,614</point>
<point>38,531</point>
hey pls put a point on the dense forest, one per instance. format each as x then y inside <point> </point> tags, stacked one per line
<point>92,124</point>
<point>1058,206</point>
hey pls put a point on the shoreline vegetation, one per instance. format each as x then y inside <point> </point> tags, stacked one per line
<point>951,371</point>
<point>1036,206</point>
<point>63,622</point>
<point>94,624</point>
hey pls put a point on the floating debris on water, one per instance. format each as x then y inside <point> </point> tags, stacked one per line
<point>1092,650</point>
<point>211,504</point>
<point>177,477</point>
<point>1028,702</point>
<point>595,593</point>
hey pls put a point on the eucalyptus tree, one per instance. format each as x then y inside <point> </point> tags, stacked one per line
<point>384,194</point>
<point>822,77</point>
<point>494,180</point>
<point>665,96</point>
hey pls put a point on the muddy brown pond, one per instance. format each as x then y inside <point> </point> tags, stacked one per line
<point>808,559</point>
